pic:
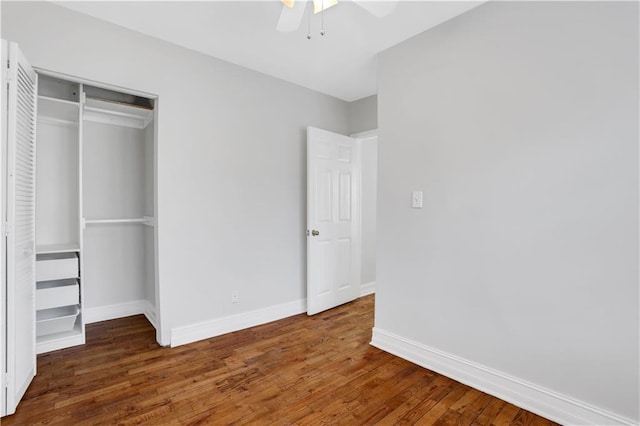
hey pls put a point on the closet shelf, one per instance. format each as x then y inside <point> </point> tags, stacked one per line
<point>64,339</point>
<point>120,114</point>
<point>58,111</point>
<point>58,248</point>
<point>145,220</point>
<point>57,121</point>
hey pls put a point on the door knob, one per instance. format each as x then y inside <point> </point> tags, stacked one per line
<point>315,233</point>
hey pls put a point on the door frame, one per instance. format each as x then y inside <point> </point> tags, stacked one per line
<point>363,137</point>
<point>162,331</point>
<point>3,264</point>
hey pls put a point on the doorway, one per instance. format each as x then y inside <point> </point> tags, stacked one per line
<point>369,179</point>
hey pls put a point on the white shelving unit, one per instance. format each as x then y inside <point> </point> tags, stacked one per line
<point>58,320</point>
<point>95,206</point>
<point>59,292</point>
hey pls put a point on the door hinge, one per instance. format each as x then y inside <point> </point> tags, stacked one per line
<point>7,73</point>
<point>5,380</point>
<point>8,228</point>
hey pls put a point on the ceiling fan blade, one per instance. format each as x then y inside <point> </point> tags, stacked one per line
<point>320,5</point>
<point>290,18</point>
<point>378,9</point>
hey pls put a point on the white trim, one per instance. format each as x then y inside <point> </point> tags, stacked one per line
<point>150,313</point>
<point>94,83</point>
<point>120,310</point>
<point>367,134</point>
<point>207,329</point>
<point>542,401</point>
<point>367,288</point>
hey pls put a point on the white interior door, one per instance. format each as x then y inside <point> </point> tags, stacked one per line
<point>333,220</point>
<point>20,338</point>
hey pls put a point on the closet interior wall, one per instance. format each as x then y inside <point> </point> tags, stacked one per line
<point>114,190</point>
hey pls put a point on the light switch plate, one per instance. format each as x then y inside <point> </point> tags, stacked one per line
<point>416,199</point>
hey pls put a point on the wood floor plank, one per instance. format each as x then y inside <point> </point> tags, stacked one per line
<point>473,410</point>
<point>443,405</point>
<point>523,418</point>
<point>506,416</point>
<point>490,412</point>
<point>300,370</point>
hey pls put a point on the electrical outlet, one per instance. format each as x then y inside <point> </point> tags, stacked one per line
<point>234,297</point>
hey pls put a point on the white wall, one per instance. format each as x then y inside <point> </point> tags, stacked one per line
<point>363,114</point>
<point>519,121</point>
<point>231,159</point>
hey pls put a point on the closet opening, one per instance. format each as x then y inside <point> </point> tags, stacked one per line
<point>96,192</point>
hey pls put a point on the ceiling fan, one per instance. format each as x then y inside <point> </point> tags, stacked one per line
<point>293,10</point>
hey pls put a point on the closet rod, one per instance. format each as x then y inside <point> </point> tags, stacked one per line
<point>92,221</point>
<point>116,113</point>
<point>147,220</point>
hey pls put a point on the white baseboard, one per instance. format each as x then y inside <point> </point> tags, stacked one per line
<point>120,310</point>
<point>367,288</point>
<point>544,402</point>
<point>207,329</point>
<point>150,313</point>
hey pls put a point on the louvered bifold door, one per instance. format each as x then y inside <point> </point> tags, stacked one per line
<point>20,227</point>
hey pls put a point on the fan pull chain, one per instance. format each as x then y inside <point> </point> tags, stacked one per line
<point>309,23</point>
<point>322,17</point>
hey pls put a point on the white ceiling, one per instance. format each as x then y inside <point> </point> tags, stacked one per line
<point>341,63</point>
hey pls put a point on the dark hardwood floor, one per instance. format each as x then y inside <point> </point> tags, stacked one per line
<point>300,370</point>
